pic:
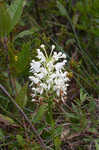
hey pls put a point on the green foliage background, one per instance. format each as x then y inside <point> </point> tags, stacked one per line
<point>73,26</point>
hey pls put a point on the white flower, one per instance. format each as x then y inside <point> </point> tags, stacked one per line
<point>60,65</point>
<point>53,47</point>
<point>43,85</point>
<point>59,55</point>
<point>48,73</point>
<point>44,71</point>
<point>41,56</point>
<point>33,100</point>
<point>42,46</point>
<point>50,65</point>
<point>35,66</point>
<point>34,80</point>
<point>39,75</point>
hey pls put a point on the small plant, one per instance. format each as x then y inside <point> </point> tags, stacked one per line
<point>49,79</point>
<point>49,75</point>
<point>82,119</point>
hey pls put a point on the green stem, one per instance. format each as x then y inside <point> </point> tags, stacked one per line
<point>50,105</point>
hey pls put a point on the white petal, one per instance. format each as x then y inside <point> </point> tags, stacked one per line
<point>35,80</point>
<point>58,92</point>
<point>33,100</point>
<point>63,56</point>
<point>41,56</point>
<point>41,91</point>
<point>42,46</point>
<point>59,65</point>
<point>35,66</point>
<point>49,86</point>
<point>53,47</point>
<point>43,70</point>
<point>33,95</point>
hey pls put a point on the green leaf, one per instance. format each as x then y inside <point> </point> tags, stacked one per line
<point>27,32</point>
<point>19,63</point>
<point>83,95</point>
<point>35,146</point>
<point>62,9</point>
<point>3,98</point>
<point>20,140</point>
<point>75,19</point>
<point>95,31</point>
<point>23,60</point>
<point>92,106</point>
<point>18,86</point>
<point>6,120</point>
<point>1,135</point>
<point>73,116</point>
<point>40,113</point>
<point>96,145</point>
<point>15,11</point>
<point>5,21</point>
<point>21,98</point>
<point>57,143</point>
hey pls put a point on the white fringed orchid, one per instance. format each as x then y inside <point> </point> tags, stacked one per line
<point>49,73</point>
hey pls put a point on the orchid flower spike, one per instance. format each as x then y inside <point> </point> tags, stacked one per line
<point>49,74</point>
